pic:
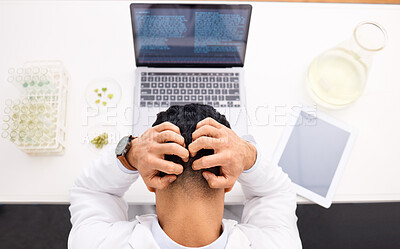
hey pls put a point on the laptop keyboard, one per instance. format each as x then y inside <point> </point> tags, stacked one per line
<point>164,89</point>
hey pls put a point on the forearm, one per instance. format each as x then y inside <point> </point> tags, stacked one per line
<point>264,179</point>
<point>268,189</point>
<point>105,175</point>
<point>96,200</point>
<point>269,210</point>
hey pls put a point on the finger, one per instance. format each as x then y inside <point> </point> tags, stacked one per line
<point>170,136</point>
<point>206,130</point>
<point>167,126</point>
<point>208,121</point>
<point>217,181</point>
<point>173,149</point>
<point>208,161</point>
<point>167,167</point>
<point>157,182</point>
<point>202,143</point>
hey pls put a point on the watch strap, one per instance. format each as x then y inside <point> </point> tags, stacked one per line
<point>122,157</point>
<point>125,162</point>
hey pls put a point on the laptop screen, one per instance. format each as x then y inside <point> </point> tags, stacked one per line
<point>186,35</point>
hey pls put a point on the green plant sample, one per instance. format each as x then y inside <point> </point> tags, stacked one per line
<point>100,140</point>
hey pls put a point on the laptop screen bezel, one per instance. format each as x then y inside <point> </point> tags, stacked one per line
<point>191,6</point>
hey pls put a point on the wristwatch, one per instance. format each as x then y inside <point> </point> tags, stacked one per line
<point>122,149</point>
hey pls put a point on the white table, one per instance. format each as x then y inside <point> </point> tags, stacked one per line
<point>94,40</point>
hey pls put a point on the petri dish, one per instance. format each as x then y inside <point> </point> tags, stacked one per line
<point>103,90</point>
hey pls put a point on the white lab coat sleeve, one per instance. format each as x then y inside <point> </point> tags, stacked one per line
<point>269,218</point>
<point>99,214</point>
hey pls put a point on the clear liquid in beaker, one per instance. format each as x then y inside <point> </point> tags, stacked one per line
<point>337,77</point>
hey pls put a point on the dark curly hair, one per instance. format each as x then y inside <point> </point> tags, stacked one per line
<point>186,118</point>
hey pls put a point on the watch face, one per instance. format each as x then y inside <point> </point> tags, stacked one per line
<point>121,145</point>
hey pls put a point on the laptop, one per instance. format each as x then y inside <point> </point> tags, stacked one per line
<point>189,53</point>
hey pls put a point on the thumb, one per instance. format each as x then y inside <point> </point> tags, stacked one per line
<point>215,181</point>
<point>168,179</point>
<point>158,182</point>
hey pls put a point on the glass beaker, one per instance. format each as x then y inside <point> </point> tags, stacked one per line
<point>338,76</point>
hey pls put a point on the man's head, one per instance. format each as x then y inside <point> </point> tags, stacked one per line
<point>190,182</point>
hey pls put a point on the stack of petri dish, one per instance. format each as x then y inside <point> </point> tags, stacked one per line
<point>36,122</point>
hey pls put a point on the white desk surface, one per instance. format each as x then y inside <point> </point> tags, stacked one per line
<point>94,40</point>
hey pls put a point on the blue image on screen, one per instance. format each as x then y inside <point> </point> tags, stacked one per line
<point>313,152</point>
<point>190,35</point>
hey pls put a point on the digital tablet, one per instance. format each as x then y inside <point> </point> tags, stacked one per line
<point>313,151</point>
